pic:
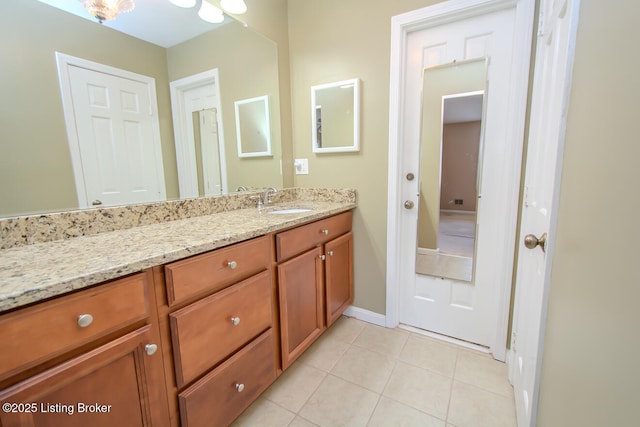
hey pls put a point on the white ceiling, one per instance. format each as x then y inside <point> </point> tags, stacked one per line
<point>155,21</point>
<point>460,109</point>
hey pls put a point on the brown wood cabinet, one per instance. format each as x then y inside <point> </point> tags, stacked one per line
<point>219,397</point>
<point>338,276</point>
<point>301,304</point>
<point>190,343</point>
<point>218,317</point>
<point>101,370</point>
<point>315,286</point>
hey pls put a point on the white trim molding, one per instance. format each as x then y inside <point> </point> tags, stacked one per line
<point>365,315</point>
<point>185,151</point>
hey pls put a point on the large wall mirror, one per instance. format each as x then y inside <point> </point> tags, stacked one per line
<point>335,114</point>
<point>36,173</point>
<point>453,99</point>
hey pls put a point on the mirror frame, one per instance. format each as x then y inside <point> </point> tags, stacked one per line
<point>265,102</point>
<point>355,146</point>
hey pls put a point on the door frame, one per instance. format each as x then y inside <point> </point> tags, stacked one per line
<point>64,62</point>
<point>185,151</point>
<point>401,26</point>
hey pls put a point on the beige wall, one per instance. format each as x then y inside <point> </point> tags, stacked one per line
<point>333,40</point>
<point>590,370</point>
<point>35,165</point>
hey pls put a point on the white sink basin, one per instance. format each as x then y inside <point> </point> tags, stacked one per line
<point>288,211</point>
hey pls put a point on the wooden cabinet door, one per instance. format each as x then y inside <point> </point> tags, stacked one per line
<point>114,385</point>
<point>338,276</point>
<point>301,303</point>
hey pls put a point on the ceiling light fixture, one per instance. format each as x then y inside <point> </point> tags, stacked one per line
<point>106,10</point>
<point>237,7</point>
<point>210,13</point>
<point>184,3</point>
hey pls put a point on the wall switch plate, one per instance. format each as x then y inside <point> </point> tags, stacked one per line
<point>301,166</point>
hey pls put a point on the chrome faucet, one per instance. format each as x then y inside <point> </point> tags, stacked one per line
<point>266,195</point>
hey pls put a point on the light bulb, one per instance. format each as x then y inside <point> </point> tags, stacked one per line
<point>210,13</point>
<point>237,7</point>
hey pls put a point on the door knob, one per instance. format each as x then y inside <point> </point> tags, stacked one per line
<point>531,241</point>
<point>408,204</point>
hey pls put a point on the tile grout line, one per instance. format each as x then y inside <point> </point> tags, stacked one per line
<point>453,379</point>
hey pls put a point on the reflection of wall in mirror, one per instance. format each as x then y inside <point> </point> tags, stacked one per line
<point>252,74</point>
<point>439,82</point>
<point>460,147</point>
<point>36,173</point>
<point>337,117</point>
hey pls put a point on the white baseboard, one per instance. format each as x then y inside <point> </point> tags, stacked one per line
<point>366,315</point>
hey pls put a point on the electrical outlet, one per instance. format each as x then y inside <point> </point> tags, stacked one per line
<point>301,166</point>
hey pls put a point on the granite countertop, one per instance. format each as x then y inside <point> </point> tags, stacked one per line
<point>35,272</point>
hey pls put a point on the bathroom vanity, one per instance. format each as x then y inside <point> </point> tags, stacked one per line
<point>183,322</point>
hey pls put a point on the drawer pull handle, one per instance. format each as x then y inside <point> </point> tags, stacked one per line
<point>150,349</point>
<point>330,253</point>
<point>85,320</point>
<point>239,387</point>
<point>324,231</point>
<point>235,321</point>
<point>232,265</point>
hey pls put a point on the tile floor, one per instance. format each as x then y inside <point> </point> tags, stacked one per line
<point>358,374</point>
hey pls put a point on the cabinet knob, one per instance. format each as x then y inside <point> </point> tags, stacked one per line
<point>150,349</point>
<point>239,387</point>
<point>232,265</point>
<point>330,253</point>
<point>324,231</point>
<point>235,321</point>
<point>85,320</point>
<point>323,257</point>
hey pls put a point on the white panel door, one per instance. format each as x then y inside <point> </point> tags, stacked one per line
<point>199,94</point>
<point>552,80</point>
<point>465,310</point>
<point>210,147</point>
<point>116,139</point>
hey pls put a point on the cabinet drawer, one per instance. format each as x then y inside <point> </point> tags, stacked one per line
<point>35,334</point>
<point>297,240</point>
<point>222,395</point>
<point>206,332</point>
<point>215,270</point>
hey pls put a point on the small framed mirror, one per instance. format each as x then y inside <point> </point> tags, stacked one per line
<point>253,127</point>
<point>335,113</point>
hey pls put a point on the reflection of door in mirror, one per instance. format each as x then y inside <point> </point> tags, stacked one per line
<point>207,148</point>
<point>112,127</point>
<point>195,101</point>
<point>453,97</point>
